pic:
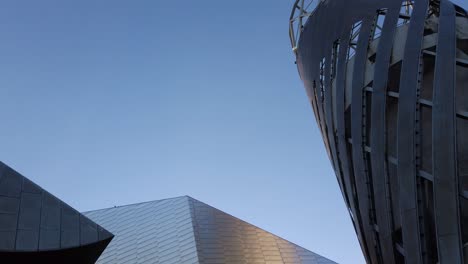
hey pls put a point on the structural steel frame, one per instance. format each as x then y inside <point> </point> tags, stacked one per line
<point>388,83</point>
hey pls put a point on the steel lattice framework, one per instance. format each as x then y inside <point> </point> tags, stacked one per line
<point>388,83</point>
<point>302,9</point>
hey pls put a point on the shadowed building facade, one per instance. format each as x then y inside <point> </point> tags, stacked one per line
<point>388,83</point>
<point>36,227</point>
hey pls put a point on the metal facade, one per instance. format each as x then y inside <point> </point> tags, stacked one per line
<point>184,230</point>
<point>36,227</point>
<point>388,83</point>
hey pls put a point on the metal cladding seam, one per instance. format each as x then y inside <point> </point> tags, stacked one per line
<point>184,230</point>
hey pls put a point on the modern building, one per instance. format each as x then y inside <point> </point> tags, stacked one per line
<point>388,83</point>
<point>36,227</point>
<point>184,230</point>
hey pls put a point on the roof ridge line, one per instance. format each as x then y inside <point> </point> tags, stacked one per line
<point>132,204</point>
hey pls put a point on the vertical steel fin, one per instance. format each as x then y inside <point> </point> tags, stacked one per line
<point>444,147</point>
<point>346,162</point>
<point>406,168</point>
<point>378,132</point>
<point>357,134</point>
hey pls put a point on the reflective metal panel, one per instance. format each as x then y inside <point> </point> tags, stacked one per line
<point>184,230</point>
<point>393,117</point>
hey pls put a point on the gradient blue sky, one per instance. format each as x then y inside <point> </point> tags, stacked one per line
<point>113,102</point>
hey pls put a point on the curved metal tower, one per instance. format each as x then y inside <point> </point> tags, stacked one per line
<point>388,83</point>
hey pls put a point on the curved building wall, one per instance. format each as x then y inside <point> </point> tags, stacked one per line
<point>388,83</point>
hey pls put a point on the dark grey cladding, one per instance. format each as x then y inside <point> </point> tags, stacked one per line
<point>388,82</point>
<point>184,230</point>
<point>36,227</point>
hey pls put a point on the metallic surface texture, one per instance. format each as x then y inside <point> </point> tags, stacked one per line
<point>35,225</point>
<point>444,160</point>
<point>184,230</point>
<point>407,109</point>
<point>388,83</point>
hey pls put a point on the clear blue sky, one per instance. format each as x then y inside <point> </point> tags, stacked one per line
<point>113,102</point>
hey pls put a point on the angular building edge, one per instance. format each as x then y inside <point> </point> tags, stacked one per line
<point>35,226</point>
<point>185,230</point>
